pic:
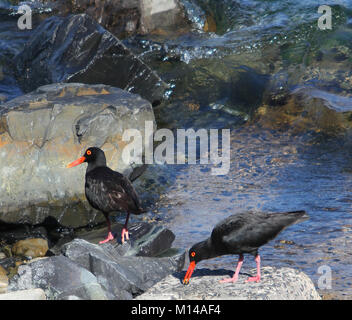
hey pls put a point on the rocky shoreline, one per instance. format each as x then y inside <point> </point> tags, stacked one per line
<point>77,75</point>
<point>79,269</point>
<point>145,268</point>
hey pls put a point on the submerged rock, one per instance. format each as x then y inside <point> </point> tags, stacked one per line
<point>41,132</point>
<point>78,49</point>
<point>276,284</point>
<point>307,109</point>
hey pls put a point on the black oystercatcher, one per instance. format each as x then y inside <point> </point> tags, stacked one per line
<point>239,234</point>
<point>107,190</point>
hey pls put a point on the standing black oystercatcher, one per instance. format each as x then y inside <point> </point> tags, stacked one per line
<point>239,234</point>
<point>107,190</point>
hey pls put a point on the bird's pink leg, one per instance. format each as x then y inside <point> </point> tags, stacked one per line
<point>124,232</point>
<point>110,236</point>
<point>257,277</point>
<point>235,276</point>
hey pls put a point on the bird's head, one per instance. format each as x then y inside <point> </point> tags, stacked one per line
<point>92,155</point>
<point>196,254</point>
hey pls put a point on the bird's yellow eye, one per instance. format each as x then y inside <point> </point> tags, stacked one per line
<point>89,152</point>
<point>193,254</point>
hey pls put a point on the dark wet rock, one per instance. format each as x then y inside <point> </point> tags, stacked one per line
<point>276,284</point>
<point>124,18</point>
<point>121,276</point>
<point>9,262</point>
<point>146,239</point>
<point>41,132</point>
<point>78,49</point>
<point>11,233</point>
<point>248,88</point>
<point>59,277</point>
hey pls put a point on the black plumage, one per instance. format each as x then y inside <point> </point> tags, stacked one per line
<point>242,234</point>
<point>107,190</point>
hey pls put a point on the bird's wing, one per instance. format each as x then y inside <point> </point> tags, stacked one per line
<point>246,231</point>
<point>111,192</point>
<point>231,224</point>
<point>129,189</point>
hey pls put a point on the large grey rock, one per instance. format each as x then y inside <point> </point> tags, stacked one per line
<point>78,49</point>
<point>276,284</point>
<point>59,277</point>
<point>121,276</point>
<point>41,132</point>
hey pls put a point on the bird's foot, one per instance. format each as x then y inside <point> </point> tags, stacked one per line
<point>226,280</point>
<point>124,234</point>
<point>253,279</point>
<point>109,238</point>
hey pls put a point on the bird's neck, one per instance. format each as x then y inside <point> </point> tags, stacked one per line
<point>207,250</point>
<point>100,161</point>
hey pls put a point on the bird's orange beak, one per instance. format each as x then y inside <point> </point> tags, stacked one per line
<point>189,272</point>
<point>76,162</point>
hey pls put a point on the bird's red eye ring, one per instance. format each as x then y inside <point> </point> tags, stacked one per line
<point>89,152</point>
<point>193,254</point>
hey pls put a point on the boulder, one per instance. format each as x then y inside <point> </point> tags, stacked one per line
<point>78,49</point>
<point>124,18</point>
<point>276,284</point>
<point>30,248</point>
<point>121,276</point>
<point>11,233</point>
<point>41,132</point>
<point>59,277</point>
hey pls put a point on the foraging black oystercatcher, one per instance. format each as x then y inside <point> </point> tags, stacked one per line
<point>107,190</point>
<point>239,234</point>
